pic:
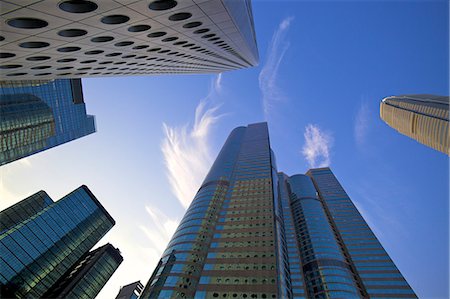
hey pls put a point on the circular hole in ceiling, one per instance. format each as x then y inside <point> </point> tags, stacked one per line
<point>208,35</point>
<point>72,32</point>
<point>16,74</point>
<point>100,68</point>
<point>68,49</point>
<point>63,74</point>
<point>123,44</point>
<point>78,6</point>
<point>164,51</point>
<point>43,74</point>
<point>113,54</point>
<point>10,66</point>
<point>2,38</point>
<point>128,56</point>
<point>141,57</point>
<point>6,55</point>
<point>105,62</point>
<point>192,24</point>
<point>27,23</point>
<point>214,38</point>
<point>201,31</point>
<point>38,58</point>
<point>88,61</point>
<point>102,39</point>
<point>65,68</point>
<point>84,68</point>
<point>66,60</point>
<point>180,16</point>
<point>188,45</point>
<point>94,52</point>
<point>180,43</point>
<point>82,73</point>
<point>41,67</point>
<point>153,49</point>
<point>34,45</point>
<point>170,39</point>
<point>139,28</point>
<point>162,4</point>
<point>94,73</point>
<point>120,62</point>
<point>157,34</point>
<point>114,19</point>
<point>140,47</point>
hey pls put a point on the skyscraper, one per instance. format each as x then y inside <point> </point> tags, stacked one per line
<point>41,240</point>
<point>253,232</point>
<point>87,277</point>
<point>131,291</point>
<point>80,38</point>
<point>38,115</point>
<point>422,117</point>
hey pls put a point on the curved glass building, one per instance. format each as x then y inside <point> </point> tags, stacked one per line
<point>253,232</point>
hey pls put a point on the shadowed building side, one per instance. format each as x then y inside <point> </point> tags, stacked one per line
<point>39,246</point>
<point>88,276</point>
<point>39,115</point>
<point>423,118</point>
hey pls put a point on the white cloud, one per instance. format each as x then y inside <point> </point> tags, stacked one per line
<point>362,123</point>
<point>316,149</point>
<point>187,150</point>
<point>161,230</point>
<point>269,73</point>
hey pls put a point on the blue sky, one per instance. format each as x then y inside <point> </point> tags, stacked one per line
<point>324,68</point>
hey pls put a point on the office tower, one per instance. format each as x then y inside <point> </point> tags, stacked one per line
<point>131,291</point>
<point>88,276</point>
<point>38,115</point>
<point>41,240</point>
<point>79,38</point>
<point>254,232</point>
<point>422,117</point>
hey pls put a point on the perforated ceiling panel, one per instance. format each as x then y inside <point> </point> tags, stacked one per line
<point>68,39</point>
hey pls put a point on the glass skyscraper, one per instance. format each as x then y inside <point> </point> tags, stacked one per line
<point>38,115</point>
<point>254,232</point>
<point>87,277</point>
<point>423,117</point>
<point>41,240</point>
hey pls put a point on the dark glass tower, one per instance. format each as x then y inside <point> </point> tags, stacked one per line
<point>38,115</point>
<point>251,232</point>
<point>87,277</point>
<point>131,291</point>
<point>41,240</point>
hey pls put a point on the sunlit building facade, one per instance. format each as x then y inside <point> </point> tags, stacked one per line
<point>41,240</point>
<point>38,115</point>
<point>80,38</point>
<point>254,232</point>
<point>422,117</point>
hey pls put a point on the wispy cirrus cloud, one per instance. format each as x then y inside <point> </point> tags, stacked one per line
<point>361,125</point>
<point>269,74</point>
<point>162,229</point>
<point>187,150</point>
<point>317,147</point>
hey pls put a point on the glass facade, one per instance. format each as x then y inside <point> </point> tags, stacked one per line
<point>35,252</point>
<point>38,115</point>
<point>422,117</point>
<point>370,262</point>
<point>88,276</point>
<point>131,291</point>
<point>252,232</point>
